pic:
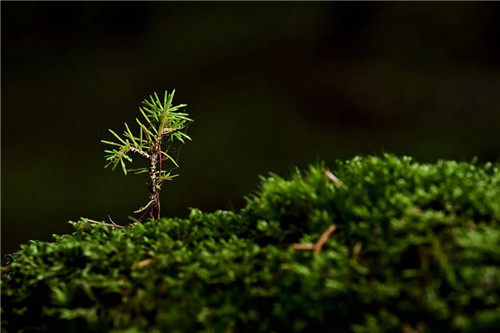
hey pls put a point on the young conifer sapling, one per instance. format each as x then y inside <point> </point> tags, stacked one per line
<point>162,124</point>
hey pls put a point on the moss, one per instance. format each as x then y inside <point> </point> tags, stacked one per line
<point>416,248</point>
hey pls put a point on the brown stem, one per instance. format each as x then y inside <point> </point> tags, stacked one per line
<point>155,169</point>
<point>155,161</point>
<point>154,196</point>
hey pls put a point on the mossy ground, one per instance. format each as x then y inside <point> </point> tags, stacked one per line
<point>416,249</point>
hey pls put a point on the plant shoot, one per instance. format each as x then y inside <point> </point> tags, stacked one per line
<point>160,125</point>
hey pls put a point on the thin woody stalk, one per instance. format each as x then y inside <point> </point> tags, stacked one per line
<point>154,193</point>
<point>164,123</point>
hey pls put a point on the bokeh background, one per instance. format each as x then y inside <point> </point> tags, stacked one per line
<point>271,86</point>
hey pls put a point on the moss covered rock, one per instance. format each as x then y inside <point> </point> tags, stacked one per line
<point>415,249</point>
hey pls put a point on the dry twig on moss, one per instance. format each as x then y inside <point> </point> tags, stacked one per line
<point>114,225</point>
<point>334,179</point>
<point>319,244</point>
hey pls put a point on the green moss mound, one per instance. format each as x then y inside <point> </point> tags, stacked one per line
<point>416,249</point>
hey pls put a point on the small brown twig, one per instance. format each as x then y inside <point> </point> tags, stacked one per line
<point>319,244</point>
<point>356,250</point>
<point>407,328</point>
<point>113,224</point>
<point>7,269</point>
<point>303,246</point>
<point>323,238</point>
<point>334,179</point>
<point>141,264</point>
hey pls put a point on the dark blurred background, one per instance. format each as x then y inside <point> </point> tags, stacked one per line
<point>270,85</point>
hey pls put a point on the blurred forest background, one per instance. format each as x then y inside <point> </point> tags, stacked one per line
<point>270,85</point>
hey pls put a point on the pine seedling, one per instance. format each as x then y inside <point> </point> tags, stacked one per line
<point>161,125</point>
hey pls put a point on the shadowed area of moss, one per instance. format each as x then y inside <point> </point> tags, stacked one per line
<point>415,250</point>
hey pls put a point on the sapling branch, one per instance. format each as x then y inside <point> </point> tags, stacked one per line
<point>140,152</point>
<point>161,124</point>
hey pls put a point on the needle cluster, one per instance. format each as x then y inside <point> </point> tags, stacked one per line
<point>161,124</point>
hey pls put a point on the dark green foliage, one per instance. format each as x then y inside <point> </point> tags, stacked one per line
<point>416,248</point>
